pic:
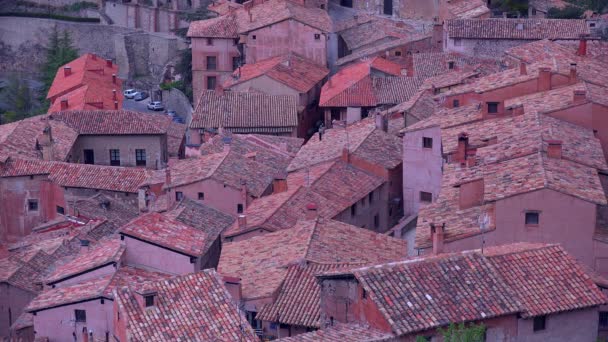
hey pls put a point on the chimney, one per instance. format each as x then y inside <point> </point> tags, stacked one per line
<point>554,149</point>
<point>114,94</point>
<point>242,221</point>
<point>279,185</point>
<point>580,96</point>
<point>573,73</point>
<point>64,104</point>
<point>517,110</point>
<point>250,15</point>
<point>233,285</point>
<point>142,200</point>
<point>167,177</point>
<point>220,90</point>
<point>345,154</point>
<point>463,145</point>
<point>381,122</point>
<point>116,105</point>
<point>400,24</point>
<point>109,63</point>
<point>470,159</point>
<point>114,78</point>
<point>311,211</point>
<point>67,71</point>
<point>582,46</point>
<point>46,143</point>
<point>523,70</point>
<point>544,79</point>
<point>437,234</point>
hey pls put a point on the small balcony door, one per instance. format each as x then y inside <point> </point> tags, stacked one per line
<point>89,157</point>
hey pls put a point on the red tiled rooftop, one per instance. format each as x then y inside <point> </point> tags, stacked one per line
<point>275,11</point>
<point>225,26</point>
<point>508,28</point>
<point>341,332</point>
<point>111,122</point>
<point>291,70</point>
<point>172,234</point>
<point>194,307</point>
<point>374,31</point>
<point>467,9</point>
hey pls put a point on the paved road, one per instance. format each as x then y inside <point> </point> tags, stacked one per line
<point>138,106</point>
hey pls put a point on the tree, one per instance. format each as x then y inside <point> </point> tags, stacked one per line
<point>59,51</point>
<point>568,12</point>
<point>184,68</point>
<point>18,99</point>
<point>462,333</point>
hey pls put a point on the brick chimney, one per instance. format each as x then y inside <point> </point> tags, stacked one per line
<point>279,185</point>
<point>554,150</point>
<point>437,234</point>
<point>45,141</point>
<point>114,78</point>
<point>311,211</point>
<point>233,285</point>
<point>116,105</point>
<point>573,73</point>
<point>580,96</point>
<point>523,69</point>
<point>109,63</point>
<point>67,71</point>
<point>409,65</point>
<point>64,104</point>
<point>544,79</point>
<point>345,154</point>
<point>242,221</point>
<point>463,145</point>
<point>381,122</point>
<point>582,45</point>
<point>114,94</point>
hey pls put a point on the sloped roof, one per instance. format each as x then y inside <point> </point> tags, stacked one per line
<point>341,332</point>
<point>94,95</point>
<point>508,28</point>
<point>467,9</point>
<point>374,30</point>
<point>20,274</point>
<point>112,211</point>
<point>275,11</point>
<point>225,26</point>
<point>113,122</point>
<point>292,70</point>
<point>195,307</point>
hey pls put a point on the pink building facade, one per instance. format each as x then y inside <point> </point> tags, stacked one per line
<point>213,61</point>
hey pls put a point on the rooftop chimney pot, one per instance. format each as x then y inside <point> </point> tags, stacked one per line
<point>582,46</point>
<point>67,71</point>
<point>437,233</point>
<point>311,211</point>
<point>114,78</point>
<point>242,221</point>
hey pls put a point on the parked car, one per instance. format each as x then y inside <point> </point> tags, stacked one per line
<point>155,105</point>
<point>141,96</point>
<point>171,113</point>
<point>129,93</point>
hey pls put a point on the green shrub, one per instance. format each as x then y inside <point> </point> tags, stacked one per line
<point>49,16</point>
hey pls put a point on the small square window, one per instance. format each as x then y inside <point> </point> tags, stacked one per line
<point>540,323</point>
<point>451,65</point>
<point>492,107</point>
<point>317,36</point>
<point>32,205</point>
<point>239,208</point>
<point>591,24</point>
<point>140,157</point>
<point>456,103</point>
<point>115,157</point>
<point>209,41</point>
<point>426,197</point>
<point>80,315</point>
<point>532,218</point>
<point>179,195</point>
<point>370,197</point>
<point>397,53</point>
<point>603,319</point>
<point>149,300</point>
<point>201,196</point>
<point>60,210</point>
<point>427,142</point>
<point>211,63</point>
<point>254,37</point>
<point>322,6</point>
<point>211,82</point>
<point>353,209</point>
<point>376,221</point>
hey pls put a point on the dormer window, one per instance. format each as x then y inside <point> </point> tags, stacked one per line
<point>492,107</point>
<point>149,299</point>
<point>451,65</point>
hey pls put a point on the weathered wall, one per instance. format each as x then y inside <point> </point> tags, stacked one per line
<point>12,302</point>
<point>580,325</point>
<point>223,50</point>
<point>217,195</point>
<point>98,273</point>
<point>156,258</point>
<point>366,211</point>
<point>148,18</point>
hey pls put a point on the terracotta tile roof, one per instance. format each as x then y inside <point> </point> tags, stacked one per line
<point>292,70</point>
<point>467,9</point>
<point>229,168</point>
<point>374,31</point>
<point>20,274</point>
<point>362,139</point>
<point>540,50</point>
<point>449,79</point>
<point>298,302</point>
<point>260,261</point>
<point>111,122</point>
<point>531,279</point>
<point>100,254</point>
<point>113,212</point>
<point>420,106</point>
<point>378,49</point>
<point>343,332</point>
<point>176,136</point>
<point>275,11</point>
<point>25,320</point>
<point>333,186</point>
<point>508,28</point>
<point>94,95</point>
<point>86,69</point>
<point>224,7</point>
<point>192,307</point>
<point>101,287</point>
<point>225,26</point>
<point>392,90</point>
<point>164,231</point>
<point>237,111</point>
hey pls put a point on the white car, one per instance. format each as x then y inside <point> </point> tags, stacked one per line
<point>129,93</point>
<point>155,105</point>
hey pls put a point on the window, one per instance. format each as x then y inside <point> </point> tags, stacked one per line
<point>540,323</point>
<point>211,81</point>
<point>209,41</point>
<point>492,107</point>
<point>370,197</point>
<point>353,209</point>
<point>179,195</point>
<point>397,53</point>
<point>89,156</point>
<point>603,319</point>
<point>322,6</point>
<point>239,208</point>
<point>591,24</point>
<point>427,142</point>
<point>317,36</point>
<point>254,37</point>
<point>376,221</point>
<point>80,315</point>
<point>60,210</point>
<point>140,157</point>
<point>457,42</point>
<point>451,65</point>
<point>201,196</point>
<point>532,218</point>
<point>236,62</point>
<point>456,103</point>
<point>32,204</point>
<point>115,157</point>
<point>426,197</point>
<point>149,300</point>
<point>533,11</point>
<point>363,293</point>
<point>211,63</point>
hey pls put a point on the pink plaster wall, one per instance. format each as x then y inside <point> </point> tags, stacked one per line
<point>110,269</point>
<point>156,258</point>
<point>223,49</point>
<point>12,299</point>
<point>284,37</point>
<point>421,168</point>
<point>218,196</point>
<point>580,325</point>
<point>365,211</point>
<point>58,323</point>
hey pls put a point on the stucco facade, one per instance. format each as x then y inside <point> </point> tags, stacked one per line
<point>141,16</point>
<point>225,52</point>
<point>12,302</point>
<point>150,256</point>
